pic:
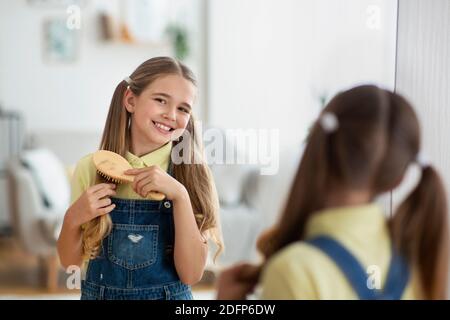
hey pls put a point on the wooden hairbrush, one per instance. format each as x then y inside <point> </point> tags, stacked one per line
<point>112,166</point>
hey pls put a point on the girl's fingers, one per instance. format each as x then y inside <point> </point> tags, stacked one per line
<point>147,189</point>
<point>101,186</point>
<point>142,183</point>
<point>105,210</point>
<point>104,192</point>
<point>132,171</point>
<point>104,203</point>
<point>139,178</point>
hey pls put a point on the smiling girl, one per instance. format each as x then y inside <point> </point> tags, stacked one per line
<point>138,248</point>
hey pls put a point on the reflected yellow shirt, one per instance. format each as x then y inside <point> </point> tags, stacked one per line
<point>85,172</point>
<point>301,271</point>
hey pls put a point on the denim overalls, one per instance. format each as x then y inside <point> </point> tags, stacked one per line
<point>136,258</point>
<point>397,276</point>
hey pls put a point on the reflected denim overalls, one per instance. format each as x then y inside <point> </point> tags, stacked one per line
<point>136,258</point>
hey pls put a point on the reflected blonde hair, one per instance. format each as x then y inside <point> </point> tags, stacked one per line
<point>197,178</point>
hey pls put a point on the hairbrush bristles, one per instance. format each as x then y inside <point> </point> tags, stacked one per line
<point>108,178</point>
<point>112,166</point>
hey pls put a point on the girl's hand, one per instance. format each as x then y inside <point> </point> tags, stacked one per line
<point>92,203</point>
<point>236,282</point>
<point>153,178</point>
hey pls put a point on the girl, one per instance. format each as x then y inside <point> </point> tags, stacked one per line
<point>140,248</point>
<point>332,241</point>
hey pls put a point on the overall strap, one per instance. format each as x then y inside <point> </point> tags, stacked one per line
<point>170,167</point>
<point>397,277</point>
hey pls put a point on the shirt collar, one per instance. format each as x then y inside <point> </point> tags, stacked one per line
<point>158,157</point>
<point>356,221</point>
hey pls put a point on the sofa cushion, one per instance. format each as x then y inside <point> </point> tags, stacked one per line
<point>50,177</point>
<point>230,182</point>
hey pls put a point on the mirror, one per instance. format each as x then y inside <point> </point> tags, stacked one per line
<point>266,67</point>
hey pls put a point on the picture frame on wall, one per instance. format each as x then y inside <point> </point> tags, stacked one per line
<point>60,44</point>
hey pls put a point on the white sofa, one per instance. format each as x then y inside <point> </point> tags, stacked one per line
<point>250,203</point>
<point>39,194</point>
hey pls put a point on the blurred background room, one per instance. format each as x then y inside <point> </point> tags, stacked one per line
<point>261,65</point>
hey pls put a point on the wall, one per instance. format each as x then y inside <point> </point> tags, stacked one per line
<point>423,76</point>
<point>271,60</point>
<point>72,96</point>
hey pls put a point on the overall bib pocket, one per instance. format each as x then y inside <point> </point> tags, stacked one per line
<point>133,246</point>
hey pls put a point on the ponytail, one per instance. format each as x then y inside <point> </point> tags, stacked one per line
<point>116,134</point>
<point>420,231</point>
<point>117,141</point>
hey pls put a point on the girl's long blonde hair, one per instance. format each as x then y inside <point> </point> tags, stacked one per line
<point>196,177</point>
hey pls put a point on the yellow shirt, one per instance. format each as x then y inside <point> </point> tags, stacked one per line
<point>301,271</point>
<point>85,172</point>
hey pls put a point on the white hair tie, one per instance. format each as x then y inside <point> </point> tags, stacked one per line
<point>329,122</point>
<point>127,80</point>
<point>423,160</point>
